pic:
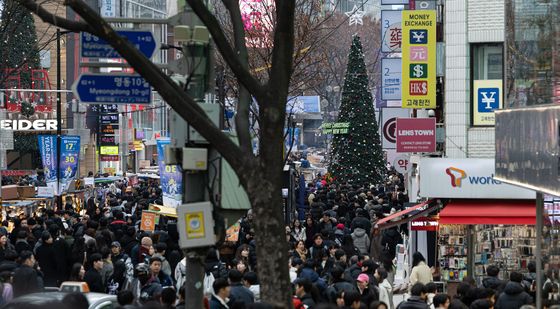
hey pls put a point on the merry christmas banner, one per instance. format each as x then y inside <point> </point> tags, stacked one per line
<point>171,177</point>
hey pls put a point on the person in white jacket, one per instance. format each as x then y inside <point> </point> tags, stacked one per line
<point>385,287</point>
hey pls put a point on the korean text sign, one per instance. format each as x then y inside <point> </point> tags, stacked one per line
<point>418,59</point>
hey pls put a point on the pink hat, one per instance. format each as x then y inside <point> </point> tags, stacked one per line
<point>363,278</point>
<point>340,226</point>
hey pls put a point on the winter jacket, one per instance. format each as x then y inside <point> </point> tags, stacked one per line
<point>386,293</point>
<point>307,301</point>
<point>337,287</point>
<point>26,280</point>
<point>299,234</point>
<point>94,281</point>
<point>316,211</point>
<point>493,283</point>
<point>414,302</point>
<point>240,295</point>
<point>514,296</point>
<point>361,240</point>
<point>312,275</point>
<point>421,273</point>
<point>215,303</point>
<point>47,261</point>
<point>369,295</point>
<point>361,222</point>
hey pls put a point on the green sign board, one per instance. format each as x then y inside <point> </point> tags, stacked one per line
<point>335,127</point>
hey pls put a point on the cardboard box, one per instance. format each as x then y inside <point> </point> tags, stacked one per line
<point>26,191</point>
<point>10,192</point>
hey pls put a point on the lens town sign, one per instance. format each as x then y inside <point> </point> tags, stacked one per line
<point>25,125</point>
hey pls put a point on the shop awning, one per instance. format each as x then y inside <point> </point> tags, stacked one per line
<point>489,212</point>
<point>415,211</point>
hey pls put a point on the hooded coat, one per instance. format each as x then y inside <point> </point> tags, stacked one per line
<point>361,240</point>
<point>514,296</point>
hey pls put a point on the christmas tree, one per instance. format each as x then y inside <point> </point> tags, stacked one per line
<point>18,43</point>
<point>357,156</point>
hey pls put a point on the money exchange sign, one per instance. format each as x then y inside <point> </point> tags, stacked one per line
<point>418,59</point>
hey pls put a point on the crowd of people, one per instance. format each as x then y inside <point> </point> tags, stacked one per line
<point>339,257</point>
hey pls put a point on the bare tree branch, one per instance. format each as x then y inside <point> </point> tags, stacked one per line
<point>182,103</point>
<point>58,21</point>
<point>244,98</point>
<point>224,47</point>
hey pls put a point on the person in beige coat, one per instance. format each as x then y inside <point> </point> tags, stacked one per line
<point>421,272</point>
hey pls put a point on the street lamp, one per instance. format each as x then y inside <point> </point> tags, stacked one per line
<point>58,115</point>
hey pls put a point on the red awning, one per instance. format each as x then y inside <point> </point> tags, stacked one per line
<point>489,212</point>
<point>403,212</point>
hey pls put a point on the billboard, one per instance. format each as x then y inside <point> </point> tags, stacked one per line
<point>465,178</point>
<point>487,97</point>
<point>527,143</point>
<point>391,31</point>
<point>303,104</point>
<point>416,135</point>
<point>391,78</point>
<point>419,59</point>
<point>388,125</point>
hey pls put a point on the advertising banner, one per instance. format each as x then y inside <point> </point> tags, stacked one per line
<point>465,178</point>
<point>391,78</point>
<point>69,158</point>
<point>171,177</point>
<point>47,149</point>
<point>391,31</point>
<point>487,97</point>
<point>419,59</point>
<point>416,135</point>
<point>148,221</point>
<point>388,125</point>
<point>109,150</point>
<point>303,104</point>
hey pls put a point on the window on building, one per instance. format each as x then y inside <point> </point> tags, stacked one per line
<point>488,61</point>
<point>487,74</point>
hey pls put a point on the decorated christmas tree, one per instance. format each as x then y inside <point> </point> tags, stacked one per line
<point>18,43</point>
<point>357,156</point>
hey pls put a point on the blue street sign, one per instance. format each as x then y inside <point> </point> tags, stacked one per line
<point>112,88</point>
<point>95,47</point>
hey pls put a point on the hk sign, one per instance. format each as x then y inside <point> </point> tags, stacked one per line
<point>465,178</point>
<point>25,125</point>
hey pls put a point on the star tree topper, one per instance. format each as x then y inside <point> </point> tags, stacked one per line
<point>356,16</point>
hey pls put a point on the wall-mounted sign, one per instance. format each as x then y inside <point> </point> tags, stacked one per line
<point>465,178</point>
<point>391,31</point>
<point>106,140</point>
<point>391,78</point>
<point>487,97</point>
<point>424,224</point>
<point>388,125</point>
<point>109,128</point>
<point>109,150</point>
<point>110,118</point>
<point>109,158</point>
<point>25,125</point>
<point>419,59</point>
<point>416,135</point>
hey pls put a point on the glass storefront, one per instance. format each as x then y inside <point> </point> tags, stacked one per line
<point>533,52</point>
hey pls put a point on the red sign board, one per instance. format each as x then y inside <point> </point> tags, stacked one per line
<point>108,158</point>
<point>418,87</point>
<point>424,224</point>
<point>416,135</point>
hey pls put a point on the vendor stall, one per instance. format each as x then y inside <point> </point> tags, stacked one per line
<point>484,222</point>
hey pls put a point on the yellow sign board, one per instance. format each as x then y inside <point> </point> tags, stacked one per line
<point>418,59</point>
<point>195,224</point>
<point>109,150</point>
<point>487,97</point>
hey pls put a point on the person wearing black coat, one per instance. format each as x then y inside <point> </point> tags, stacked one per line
<point>514,295</point>
<point>92,276</point>
<point>417,300</point>
<point>47,259</point>
<point>239,294</point>
<point>26,279</point>
<point>338,284</point>
<point>303,292</point>
<point>62,254</point>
